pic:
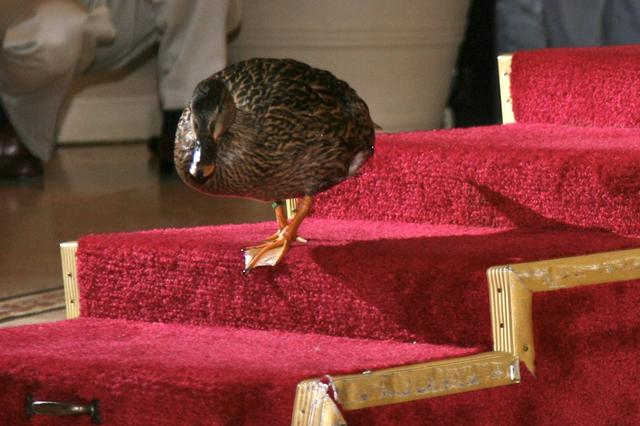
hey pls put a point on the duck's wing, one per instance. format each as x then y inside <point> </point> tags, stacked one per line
<point>263,84</point>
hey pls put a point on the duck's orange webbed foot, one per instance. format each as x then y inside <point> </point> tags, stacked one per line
<point>268,254</point>
<point>272,251</point>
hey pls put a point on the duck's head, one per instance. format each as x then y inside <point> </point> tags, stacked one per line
<point>212,113</point>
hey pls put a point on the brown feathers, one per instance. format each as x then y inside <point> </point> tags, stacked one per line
<point>295,131</point>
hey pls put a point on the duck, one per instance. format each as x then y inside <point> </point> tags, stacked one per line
<point>273,129</point>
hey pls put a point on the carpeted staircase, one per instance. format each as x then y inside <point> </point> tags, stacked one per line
<point>171,332</point>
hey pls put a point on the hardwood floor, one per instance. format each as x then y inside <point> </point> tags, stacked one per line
<point>94,189</point>
<point>41,306</point>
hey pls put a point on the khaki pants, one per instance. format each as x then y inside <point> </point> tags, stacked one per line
<point>46,43</point>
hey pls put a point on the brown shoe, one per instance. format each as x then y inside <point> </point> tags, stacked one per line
<point>15,159</point>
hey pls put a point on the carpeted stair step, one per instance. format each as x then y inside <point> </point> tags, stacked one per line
<point>591,86</point>
<point>498,176</point>
<point>394,274</point>
<point>361,279</point>
<point>587,350</point>
<point>167,374</point>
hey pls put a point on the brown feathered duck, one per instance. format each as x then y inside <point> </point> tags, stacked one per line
<point>272,129</point>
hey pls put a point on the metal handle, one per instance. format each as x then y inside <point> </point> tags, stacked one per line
<point>56,408</point>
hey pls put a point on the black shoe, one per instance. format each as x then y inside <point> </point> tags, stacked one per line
<point>15,159</point>
<point>162,146</point>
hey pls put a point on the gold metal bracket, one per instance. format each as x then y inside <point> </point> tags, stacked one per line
<point>314,407</point>
<point>412,382</point>
<point>511,288</point>
<point>403,384</point>
<point>504,77</point>
<point>71,294</point>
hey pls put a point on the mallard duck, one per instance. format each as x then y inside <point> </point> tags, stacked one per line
<point>272,129</point>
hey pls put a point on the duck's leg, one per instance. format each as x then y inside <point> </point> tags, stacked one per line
<point>281,219</point>
<point>272,251</point>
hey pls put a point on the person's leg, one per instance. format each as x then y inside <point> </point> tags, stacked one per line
<point>39,55</point>
<point>193,46</point>
<point>574,22</point>
<point>622,22</point>
<point>136,31</point>
<point>519,25</point>
<point>15,159</point>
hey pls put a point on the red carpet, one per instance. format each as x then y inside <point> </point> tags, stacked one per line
<point>396,256</point>
<point>479,197</point>
<point>583,87</point>
<point>515,175</point>
<point>156,374</point>
<point>356,279</point>
<point>587,351</point>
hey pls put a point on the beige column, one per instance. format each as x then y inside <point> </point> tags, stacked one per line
<point>398,55</point>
